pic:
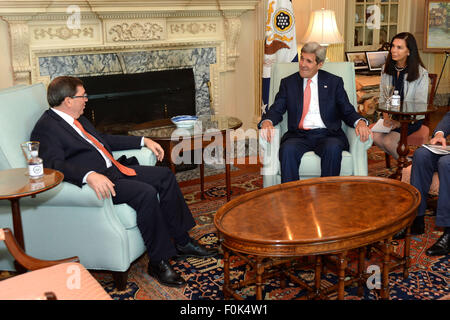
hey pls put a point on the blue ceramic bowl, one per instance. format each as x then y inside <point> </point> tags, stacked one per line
<point>184,121</point>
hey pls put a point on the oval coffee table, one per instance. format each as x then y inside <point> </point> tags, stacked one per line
<point>316,217</point>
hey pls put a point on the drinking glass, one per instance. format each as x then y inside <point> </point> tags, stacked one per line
<point>386,93</point>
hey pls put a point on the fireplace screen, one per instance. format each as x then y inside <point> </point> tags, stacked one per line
<point>119,102</point>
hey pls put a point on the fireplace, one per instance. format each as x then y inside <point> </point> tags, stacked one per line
<point>118,102</point>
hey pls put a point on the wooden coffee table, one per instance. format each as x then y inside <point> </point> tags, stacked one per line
<point>207,130</point>
<point>316,217</point>
<point>16,184</point>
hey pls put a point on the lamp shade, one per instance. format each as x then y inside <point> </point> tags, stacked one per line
<point>322,28</point>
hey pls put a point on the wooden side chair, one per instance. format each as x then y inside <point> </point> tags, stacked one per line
<point>64,279</point>
<point>422,135</point>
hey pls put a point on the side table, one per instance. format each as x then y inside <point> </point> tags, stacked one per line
<point>207,128</point>
<point>16,184</point>
<point>407,113</point>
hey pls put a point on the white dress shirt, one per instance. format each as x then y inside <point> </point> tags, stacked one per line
<point>313,120</point>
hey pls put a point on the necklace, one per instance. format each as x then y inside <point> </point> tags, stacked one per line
<point>398,69</point>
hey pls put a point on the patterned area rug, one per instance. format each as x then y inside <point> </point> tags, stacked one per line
<point>428,279</point>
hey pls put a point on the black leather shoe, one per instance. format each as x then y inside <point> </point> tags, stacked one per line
<point>194,249</point>
<point>415,230</point>
<point>441,247</point>
<point>165,275</point>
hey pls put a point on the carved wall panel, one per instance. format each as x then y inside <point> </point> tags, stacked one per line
<point>135,30</point>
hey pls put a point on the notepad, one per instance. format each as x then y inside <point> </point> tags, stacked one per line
<point>437,149</point>
<point>380,127</point>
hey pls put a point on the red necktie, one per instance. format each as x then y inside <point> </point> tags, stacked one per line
<point>306,101</point>
<point>125,170</point>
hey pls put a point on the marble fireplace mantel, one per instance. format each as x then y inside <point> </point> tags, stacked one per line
<point>51,29</point>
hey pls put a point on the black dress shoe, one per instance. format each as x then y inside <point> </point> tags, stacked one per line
<point>441,247</point>
<point>415,230</point>
<point>194,249</point>
<point>165,275</point>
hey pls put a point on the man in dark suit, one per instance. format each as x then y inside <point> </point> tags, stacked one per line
<point>316,103</point>
<point>424,164</point>
<point>69,143</point>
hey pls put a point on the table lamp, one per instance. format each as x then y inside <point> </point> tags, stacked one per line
<point>322,28</point>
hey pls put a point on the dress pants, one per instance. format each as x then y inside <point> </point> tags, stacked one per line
<point>425,163</point>
<point>326,145</point>
<point>161,221</point>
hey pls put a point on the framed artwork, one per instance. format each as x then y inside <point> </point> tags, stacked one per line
<point>437,25</point>
<point>358,58</point>
<point>376,59</point>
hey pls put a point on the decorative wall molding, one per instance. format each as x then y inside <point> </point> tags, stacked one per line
<point>63,33</point>
<point>193,28</point>
<point>135,31</point>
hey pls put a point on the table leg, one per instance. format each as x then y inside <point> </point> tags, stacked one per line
<point>202,180</point>
<point>259,273</point>
<point>402,151</point>
<point>18,231</point>
<point>17,222</point>
<point>227,170</point>
<point>386,261</point>
<point>228,180</point>
<point>361,282</point>
<point>226,273</point>
<point>406,257</point>
<point>318,274</point>
<point>342,266</point>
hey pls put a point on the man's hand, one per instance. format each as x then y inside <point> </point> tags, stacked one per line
<point>155,147</point>
<point>267,130</point>
<point>102,186</point>
<point>363,131</point>
<point>439,138</point>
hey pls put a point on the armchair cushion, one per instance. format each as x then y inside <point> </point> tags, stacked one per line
<point>354,161</point>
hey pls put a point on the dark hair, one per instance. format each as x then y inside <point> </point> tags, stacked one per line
<point>413,61</point>
<point>60,88</point>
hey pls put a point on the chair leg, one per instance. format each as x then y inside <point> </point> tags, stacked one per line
<point>120,279</point>
<point>388,160</point>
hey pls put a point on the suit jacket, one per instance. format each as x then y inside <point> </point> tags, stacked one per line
<point>444,125</point>
<point>333,103</point>
<point>63,149</point>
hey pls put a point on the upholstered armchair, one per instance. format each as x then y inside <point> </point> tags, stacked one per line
<point>354,161</point>
<point>64,279</point>
<point>67,220</point>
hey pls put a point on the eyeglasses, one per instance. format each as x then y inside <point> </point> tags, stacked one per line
<point>85,96</point>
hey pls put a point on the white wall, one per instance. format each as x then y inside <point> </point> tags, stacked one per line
<point>6,74</point>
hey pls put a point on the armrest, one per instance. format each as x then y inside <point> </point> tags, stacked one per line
<point>25,260</point>
<point>269,154</point>
<point>65,195</point>
<point>144,155</point>
<point>358,151</point>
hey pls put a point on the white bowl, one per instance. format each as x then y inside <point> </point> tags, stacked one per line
<point>184,121</point>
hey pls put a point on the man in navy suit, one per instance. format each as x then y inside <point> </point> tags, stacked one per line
<point>316,103</point>
<point>424,164</point>
<point>69,143</point>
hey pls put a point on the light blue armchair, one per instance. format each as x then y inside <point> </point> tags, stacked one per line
<point>65,221</point>
<point>353,162</point>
